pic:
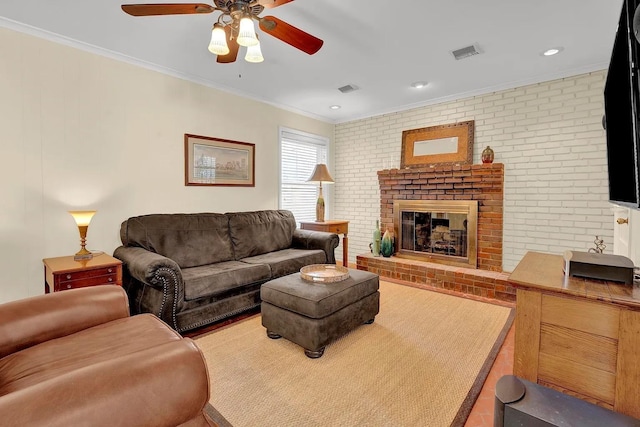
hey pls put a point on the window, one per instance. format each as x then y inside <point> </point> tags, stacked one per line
<point>299,154</point>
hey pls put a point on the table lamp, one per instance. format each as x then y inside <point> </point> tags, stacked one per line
<point>320,174</point>
<point>83,218</point>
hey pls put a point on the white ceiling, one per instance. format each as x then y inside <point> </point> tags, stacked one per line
<point>379,46</point>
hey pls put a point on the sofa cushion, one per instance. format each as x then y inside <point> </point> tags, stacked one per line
<point>208,280</point>
<point>189,239</point>
<point>256,233</point>
<point>288,261</point>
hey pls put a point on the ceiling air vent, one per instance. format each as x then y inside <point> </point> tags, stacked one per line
<point>348,88</point>
<point>466,52</point>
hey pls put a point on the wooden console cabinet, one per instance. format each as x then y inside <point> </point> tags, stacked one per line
<point>577,335</point>
<point>63,273</point>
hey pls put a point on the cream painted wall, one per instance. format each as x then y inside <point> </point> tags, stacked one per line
<point>82,131</point>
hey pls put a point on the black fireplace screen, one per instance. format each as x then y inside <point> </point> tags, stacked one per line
<point>435,232</point>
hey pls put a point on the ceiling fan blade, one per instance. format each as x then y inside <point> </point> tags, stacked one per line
<point>233,48</point>
<point>270,4</point>
<point>166,9</point>
<point>290,34</point>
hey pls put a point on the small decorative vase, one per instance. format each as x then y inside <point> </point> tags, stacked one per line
<point>376,240</point>
<point>386,246</point>
<point>487,155</point>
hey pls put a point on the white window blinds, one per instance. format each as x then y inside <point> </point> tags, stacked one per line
<point>299,154</point>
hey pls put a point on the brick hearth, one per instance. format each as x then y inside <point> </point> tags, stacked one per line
<point>483,283</point>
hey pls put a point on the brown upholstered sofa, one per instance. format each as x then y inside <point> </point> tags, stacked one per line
<point>195,269</point>
<point>76,358</point>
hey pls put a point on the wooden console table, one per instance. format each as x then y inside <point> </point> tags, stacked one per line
<point>577,335</point>
<point>337,226</point>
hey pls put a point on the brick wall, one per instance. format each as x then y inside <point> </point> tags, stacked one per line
<point>483,183</point>
<point>549,138</point>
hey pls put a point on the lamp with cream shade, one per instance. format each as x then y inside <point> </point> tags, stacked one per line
<point>320,174</point>
<point>83,218</point>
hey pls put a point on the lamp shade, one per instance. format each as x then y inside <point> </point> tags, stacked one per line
<point>82,217</point>
<point>321,174</point>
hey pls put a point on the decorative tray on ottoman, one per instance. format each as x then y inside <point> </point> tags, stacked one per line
<point>324,273</point>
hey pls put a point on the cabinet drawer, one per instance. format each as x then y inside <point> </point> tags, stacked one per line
<point>86,274</point>
<point>108,279</point>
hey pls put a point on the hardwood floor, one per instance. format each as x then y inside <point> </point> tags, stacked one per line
<point>482,412</point>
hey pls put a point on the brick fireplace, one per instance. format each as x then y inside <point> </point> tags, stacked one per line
<point>483,183</point>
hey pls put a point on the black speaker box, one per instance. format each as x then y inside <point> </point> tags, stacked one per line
<point>591,265</point>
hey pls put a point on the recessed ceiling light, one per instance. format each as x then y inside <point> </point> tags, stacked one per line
<point>335,107</point>
<point>419,85</point>
<point>553,51</point>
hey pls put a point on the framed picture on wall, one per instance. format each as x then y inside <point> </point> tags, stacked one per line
<point>214,161</point>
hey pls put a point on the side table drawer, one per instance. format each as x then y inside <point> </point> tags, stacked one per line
<point>109,279</point>
<point>87,274</point>
<point>327,228</point>
<point>338,229</point>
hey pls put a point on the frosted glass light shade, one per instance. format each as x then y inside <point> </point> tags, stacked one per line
<point>82,217</point>
<point>254,54</point>
<point>218,44</point>
<point>247,34</point>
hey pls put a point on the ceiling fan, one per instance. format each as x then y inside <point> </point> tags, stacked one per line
<point>234,27</point>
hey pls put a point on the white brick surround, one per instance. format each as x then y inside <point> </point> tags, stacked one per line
<point>549,137</point>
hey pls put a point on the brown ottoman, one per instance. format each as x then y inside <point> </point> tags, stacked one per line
<point>313,314</point>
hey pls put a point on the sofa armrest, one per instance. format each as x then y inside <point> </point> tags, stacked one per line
<point>154,283</point>
<point>30,321</point>
<point>147,267</point>
<point>165,385</point>
<point>307,239</point>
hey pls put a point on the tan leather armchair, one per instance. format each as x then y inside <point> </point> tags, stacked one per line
<point>76,358</point>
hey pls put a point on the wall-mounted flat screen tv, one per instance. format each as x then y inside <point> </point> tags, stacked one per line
<point>621,102</point>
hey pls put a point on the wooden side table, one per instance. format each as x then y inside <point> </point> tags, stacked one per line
<point>63,273</point>
<point>337,226</point>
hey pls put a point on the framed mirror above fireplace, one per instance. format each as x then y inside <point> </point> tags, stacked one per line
<point>442,231</point>
<point>438,145</point>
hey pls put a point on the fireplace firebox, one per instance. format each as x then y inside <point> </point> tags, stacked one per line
<point>437,231</point>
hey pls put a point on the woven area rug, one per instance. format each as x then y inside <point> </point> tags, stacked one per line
<point>421,363</point>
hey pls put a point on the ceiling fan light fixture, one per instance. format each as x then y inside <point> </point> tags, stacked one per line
<point>218,44</point>
<point>247,33</point>
<point>254,54</point>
